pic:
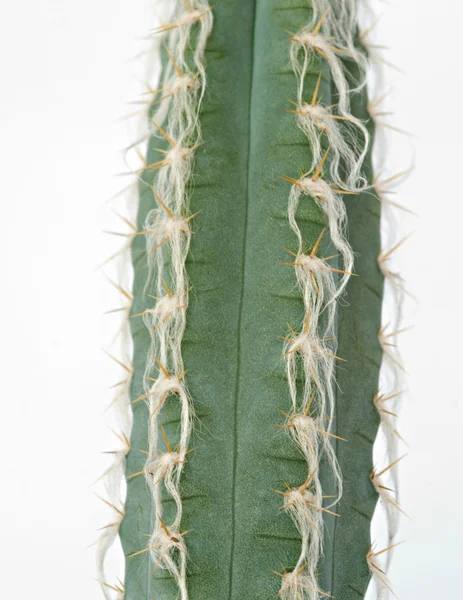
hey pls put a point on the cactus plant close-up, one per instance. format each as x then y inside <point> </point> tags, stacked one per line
<point>256,315</point>
<point>231,307</point>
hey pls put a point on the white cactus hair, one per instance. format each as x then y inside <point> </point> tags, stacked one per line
<point>314,347</point>
<point>167,228</point>
<point>314,119</point>
<point>331,34</point>
<point>341,18</point>
<point>168,234</point>
<point>310,419</point>
<point>314,40</point>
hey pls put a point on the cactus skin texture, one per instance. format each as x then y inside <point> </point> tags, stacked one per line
<point>241,301</point>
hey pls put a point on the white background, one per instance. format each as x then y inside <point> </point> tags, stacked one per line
<point>65,78</point>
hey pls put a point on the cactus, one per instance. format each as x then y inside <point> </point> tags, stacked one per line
<point>256,309</point>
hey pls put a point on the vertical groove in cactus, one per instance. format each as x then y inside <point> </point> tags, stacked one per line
<point>243,459</point>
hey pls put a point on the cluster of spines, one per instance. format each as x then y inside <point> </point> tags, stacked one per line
<point>167,230</point>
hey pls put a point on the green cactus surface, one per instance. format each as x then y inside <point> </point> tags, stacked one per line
<point>243,299</point>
